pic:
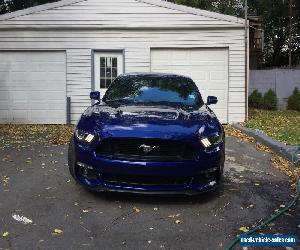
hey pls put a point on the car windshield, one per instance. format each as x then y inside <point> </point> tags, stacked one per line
<point>154,90</point>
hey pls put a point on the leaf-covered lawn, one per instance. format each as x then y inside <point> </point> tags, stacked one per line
<point>282,125</point>
<point>53,134</point>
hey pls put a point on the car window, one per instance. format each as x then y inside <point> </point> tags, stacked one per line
<point>148,90</point>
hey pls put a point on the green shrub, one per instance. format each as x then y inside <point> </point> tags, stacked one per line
<point>270,100</point>
<point>294,100</point>
<point>255,100</point>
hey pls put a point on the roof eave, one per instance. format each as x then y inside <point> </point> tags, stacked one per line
<point>95,27</point>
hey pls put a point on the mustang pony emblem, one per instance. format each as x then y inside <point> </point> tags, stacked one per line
<point>147,148</point>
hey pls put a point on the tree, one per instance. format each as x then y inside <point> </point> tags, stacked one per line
<point>3,7</point>
<point>274,15</point>
<point>13,5</point>
<point>229,7</point>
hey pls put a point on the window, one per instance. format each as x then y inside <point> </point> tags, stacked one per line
<point>108,71</point>
<point>107,66</point>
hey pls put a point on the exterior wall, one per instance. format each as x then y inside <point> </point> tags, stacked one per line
<point>120,13</point>
<point>136,43</point>
<point>282,81</point>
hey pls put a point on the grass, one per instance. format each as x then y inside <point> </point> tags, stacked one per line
<point>282,125</point>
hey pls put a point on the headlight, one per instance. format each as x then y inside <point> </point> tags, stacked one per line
<point>212,140</point>
<point>84,137</point>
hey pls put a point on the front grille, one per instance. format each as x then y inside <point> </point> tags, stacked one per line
<point>144,180</point>
<point>138,149</point>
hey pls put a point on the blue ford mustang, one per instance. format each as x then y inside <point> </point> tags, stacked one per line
<point>151,133</point>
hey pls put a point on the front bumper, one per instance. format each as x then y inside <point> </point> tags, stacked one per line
<point>177,177</point>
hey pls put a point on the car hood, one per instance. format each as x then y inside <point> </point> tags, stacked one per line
<point>148,121</point>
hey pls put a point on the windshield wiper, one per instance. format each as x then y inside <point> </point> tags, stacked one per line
<point>119,102</point>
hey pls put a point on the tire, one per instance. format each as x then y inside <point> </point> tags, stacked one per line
<point>71,158</point>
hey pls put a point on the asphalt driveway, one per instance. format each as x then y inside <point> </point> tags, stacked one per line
<point>35,183</point>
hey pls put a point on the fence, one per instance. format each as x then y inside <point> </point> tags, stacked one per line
<point>282,81</point>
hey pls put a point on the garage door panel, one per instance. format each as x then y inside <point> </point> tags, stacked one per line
<point>20,115</point>
<point>18,96</point>
<point>47,114</point>
<point>34,83</point>
<point>3,96</point>
<point>3,116</point>
<point>207,67</point>
<point>218,76</point>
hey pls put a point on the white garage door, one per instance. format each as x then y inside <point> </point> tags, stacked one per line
<point>207,67</point>
<point>33,87</point>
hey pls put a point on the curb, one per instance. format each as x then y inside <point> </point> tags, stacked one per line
<point>278,147</point>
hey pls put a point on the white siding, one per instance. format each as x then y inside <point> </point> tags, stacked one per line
<point>79,66</point>
<point>82,27</point>
<point>137,46</point>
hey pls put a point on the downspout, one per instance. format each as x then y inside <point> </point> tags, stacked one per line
<point>246,60</point>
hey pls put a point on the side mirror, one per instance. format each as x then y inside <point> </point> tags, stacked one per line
<point>95,95</point>
<point>211,100</point>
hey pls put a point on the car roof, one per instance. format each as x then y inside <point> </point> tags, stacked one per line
<point>154,74</point>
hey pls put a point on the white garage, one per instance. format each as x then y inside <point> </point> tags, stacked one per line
<point>207,67</point>
<point>33,87</point>
<point>63,50</point>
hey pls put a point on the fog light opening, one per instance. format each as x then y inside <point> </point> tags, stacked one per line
<point>86,171</point>
<point>211,176</point>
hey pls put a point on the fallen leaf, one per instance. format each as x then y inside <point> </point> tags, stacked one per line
<point>244,229</point>
<point>282,206</point>
<point>136,210</point>
<point>22,219</point>
<point>173,215</point>
<point>178,221</point>
<point>155,208</point>
<point>57,231</point>
<point>5,234</point>
<point>85,211</point>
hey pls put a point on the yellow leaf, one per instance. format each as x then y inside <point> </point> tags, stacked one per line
<point>5,234</point>
<point>135,209</point>
<point>155,208</point>
<point>244,229</point>
<point>57,231</point>
<point>178,221</point>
